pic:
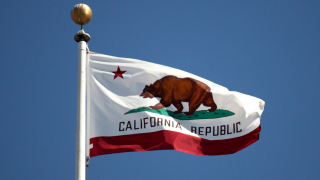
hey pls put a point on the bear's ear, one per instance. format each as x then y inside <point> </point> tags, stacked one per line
<point>151,84</point>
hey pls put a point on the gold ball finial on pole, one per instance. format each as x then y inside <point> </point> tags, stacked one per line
<point>81,14</point>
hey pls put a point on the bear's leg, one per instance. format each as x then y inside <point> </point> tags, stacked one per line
<point>179,106</point>
<point>165,102</point>
<point>192,108</point>
<point>209,102</point>
<point>194,103</point>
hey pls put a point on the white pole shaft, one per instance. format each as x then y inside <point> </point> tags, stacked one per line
<point>81,114</point>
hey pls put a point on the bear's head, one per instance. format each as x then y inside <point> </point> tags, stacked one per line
<point>149,92</point>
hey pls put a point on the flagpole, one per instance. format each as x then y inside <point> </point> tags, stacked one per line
<point>81,14</point>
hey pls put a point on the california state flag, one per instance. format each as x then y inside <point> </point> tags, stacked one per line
<point>135,105</point>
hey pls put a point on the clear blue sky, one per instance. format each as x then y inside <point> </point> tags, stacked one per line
<point>268,49</point>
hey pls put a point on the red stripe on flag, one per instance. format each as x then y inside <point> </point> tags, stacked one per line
<point>170,140</point>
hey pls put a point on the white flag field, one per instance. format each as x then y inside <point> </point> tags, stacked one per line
<point>134,105</point>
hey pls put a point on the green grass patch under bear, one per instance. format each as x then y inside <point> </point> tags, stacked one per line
<point>219,113</point>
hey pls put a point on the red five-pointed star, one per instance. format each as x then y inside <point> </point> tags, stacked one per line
<point>118,73</point>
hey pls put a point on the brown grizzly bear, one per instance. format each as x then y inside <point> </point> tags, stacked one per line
<point>173,90</point>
